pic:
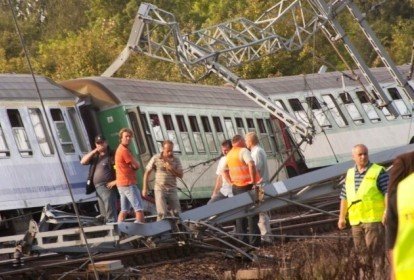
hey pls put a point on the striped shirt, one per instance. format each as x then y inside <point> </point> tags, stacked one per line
<point>382,181</point>
<point>163,178</point>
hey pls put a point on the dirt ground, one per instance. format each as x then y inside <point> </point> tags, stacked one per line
<point>310,258</point>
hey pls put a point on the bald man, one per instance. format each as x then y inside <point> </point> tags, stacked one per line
<point>363,198</point>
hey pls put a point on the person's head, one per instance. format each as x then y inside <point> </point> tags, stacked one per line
<point>360,155</point>
<point>251,140</point>
<point>226,146</point>
<point>101,143</point>
<point>238,141</point>
<point>167,148</point>
<point>125,136</point>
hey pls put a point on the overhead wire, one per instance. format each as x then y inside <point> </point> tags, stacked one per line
<point>53,138</point>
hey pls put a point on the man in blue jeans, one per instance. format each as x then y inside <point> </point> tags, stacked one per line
<point>102,174</point>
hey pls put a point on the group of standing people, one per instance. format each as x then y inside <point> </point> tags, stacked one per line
<point>380,211</point>
<point>116,172</point>
<point>242,168</point>
<point>370,198</point>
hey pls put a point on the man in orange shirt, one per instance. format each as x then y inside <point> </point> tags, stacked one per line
<point>126,180</point>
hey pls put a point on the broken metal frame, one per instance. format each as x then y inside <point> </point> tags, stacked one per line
<point>288,25</point>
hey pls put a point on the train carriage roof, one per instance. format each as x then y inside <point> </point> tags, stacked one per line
<point>110,91</point>
<point>132,91</point>
<point>22,87</point>
<point>328,80</point>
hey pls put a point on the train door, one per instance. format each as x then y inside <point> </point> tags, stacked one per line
<point>139,127</point>
<point>89,118</point>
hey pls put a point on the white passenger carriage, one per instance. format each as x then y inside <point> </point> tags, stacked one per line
<point>341,113</point>
<point>30,172</point>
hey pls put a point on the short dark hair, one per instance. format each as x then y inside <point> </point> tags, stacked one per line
<point>227,143</point>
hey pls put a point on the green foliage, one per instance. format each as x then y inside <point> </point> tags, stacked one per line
<point>76,38</point>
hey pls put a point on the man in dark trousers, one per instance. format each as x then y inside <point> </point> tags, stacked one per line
<point>243,177</point>
<point>363,197</point>
<point>102,174</point>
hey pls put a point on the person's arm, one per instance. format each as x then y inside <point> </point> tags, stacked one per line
<point>226,176</point>
<point>87,158</point>
<point>217,186</point>
<point>145,181</point>
<point>134,163</point>
<point>382,185</point>
<point>252,171</point>
<point>343,210</point>
<point>130,160</point>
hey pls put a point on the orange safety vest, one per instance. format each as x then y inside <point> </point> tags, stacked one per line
<point>238,170</point>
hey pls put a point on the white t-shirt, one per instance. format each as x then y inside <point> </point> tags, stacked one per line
<point>226,189</point>
<point>260,160</point>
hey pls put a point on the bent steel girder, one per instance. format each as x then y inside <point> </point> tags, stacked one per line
<point>287,25</point>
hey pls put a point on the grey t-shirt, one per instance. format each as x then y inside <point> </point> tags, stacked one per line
<point>103,171</point>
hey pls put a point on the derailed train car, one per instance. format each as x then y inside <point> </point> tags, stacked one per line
<point>196,118</point>
<point>31,175</point>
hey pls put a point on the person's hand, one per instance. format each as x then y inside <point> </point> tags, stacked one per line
<point>341,224</point>
<point>111,184</point>
<point>144,192</point>
<point>167,165</point>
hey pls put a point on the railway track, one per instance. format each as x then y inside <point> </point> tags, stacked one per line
<point>287,221</point>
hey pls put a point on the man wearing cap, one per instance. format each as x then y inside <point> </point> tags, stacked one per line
<point>102,174</point>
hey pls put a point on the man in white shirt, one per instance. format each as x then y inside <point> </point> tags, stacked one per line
<point>223,188</point>
<point>260,160</point>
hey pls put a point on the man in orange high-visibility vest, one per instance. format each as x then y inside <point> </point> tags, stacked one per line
<point>243,177</point>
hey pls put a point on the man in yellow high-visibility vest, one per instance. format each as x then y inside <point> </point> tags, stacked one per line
<point>363,198</point>
<point>400,217</point>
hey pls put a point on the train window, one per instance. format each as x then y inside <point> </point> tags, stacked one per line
<point>42,135</point>
<point>335,110</point>
<point>197,134</point>
<point>77,127</point>
<point>148,135</point>
<point>318,112</point>
<point>240,126</point>
<point>169,126</point>
<point>185,138</point>
<point>219,129</point>
<point>62,131</point>
<point>250,125</point>
<point>298,110</point>
<point>368,107</point>
<point>209,134</point>
<point>19,132</point>
<point>264,136</point>
<point>4,149</point>
<point>156,128</point>
<point>399,103</point>
<point>351,108</point>
<point>139,140</point>
<point>229,126</point>
<point>281,105</point>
